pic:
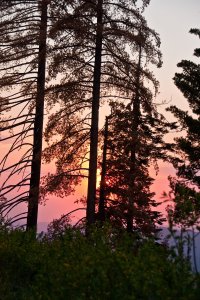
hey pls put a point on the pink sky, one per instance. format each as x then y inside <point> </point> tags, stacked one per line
<point>172,19</point>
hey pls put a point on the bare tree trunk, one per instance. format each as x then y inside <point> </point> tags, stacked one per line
<point>38,124</point>
<point>91,196</point>
<point>134,141</point>
<point>103,175</point>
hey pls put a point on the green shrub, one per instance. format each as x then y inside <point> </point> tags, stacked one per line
<point>108,265</point>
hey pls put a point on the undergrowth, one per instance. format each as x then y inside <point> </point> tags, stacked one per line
<point>107,265</point>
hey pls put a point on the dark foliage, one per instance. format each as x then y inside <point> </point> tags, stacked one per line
<point>187,162</point>
<point>109,265</point>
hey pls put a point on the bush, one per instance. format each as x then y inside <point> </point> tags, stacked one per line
<point>108,265</point>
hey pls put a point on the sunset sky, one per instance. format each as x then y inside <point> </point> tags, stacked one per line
<point>172,19</point>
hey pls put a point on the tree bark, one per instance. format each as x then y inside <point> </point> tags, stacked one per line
<point>102,194</point>
<point>38,125</point>
<point>134,140</point>
<point>91,195</point>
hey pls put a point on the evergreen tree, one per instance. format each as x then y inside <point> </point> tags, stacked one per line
<point>94,41</point>
<point>187,162</point>
<point>128,199</point>
<point>17,36</point>
<point>23,35</point>
<point>184,209</point>
<point>33,201</point>
<point>135,140</point>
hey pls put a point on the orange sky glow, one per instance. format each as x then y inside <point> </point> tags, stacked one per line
<point>172,19</point>
<point>166,17</point>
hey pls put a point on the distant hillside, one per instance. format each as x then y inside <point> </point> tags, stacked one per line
<point>165,232</point>
<point>42,226</point>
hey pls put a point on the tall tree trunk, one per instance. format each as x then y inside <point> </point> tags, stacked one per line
<point>91,195</point>
<point>134,141</point>
<point>103,175</point>
<point>38,124</point>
